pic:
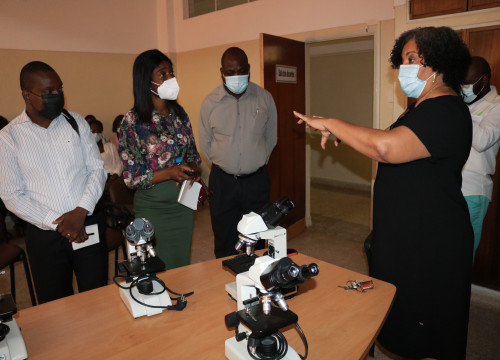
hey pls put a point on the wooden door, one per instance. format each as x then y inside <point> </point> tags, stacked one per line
<point>486,272</point>
<point>281,57</point>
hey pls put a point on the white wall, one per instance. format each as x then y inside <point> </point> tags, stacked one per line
<point>131,26</point>
<point>275,17</point>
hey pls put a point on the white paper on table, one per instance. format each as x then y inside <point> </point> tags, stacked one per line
<point>189,196</point>
<point>93,233</point>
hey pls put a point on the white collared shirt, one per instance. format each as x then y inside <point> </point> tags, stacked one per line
<point>477,172</point>
<point>45,173</point>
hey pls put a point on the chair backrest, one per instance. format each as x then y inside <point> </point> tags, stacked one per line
<point>119,193</point>
<point>119,210</point>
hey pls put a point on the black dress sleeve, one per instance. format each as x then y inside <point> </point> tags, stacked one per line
<point>442,124</point>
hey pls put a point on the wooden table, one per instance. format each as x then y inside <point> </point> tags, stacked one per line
<point>338,324</point>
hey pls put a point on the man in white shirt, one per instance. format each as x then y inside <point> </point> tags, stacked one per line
<point>52,176</point>
<point>484,106</point>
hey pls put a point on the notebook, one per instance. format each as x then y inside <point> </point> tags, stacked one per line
<point>189,196</point>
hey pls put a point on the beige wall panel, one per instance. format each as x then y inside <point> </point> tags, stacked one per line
<point>100,84</point>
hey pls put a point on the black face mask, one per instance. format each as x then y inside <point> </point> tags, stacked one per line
<point>52,105</point>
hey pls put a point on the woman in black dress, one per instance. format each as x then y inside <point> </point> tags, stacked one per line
<point>422,236</point>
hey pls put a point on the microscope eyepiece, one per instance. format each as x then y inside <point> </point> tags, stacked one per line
<point>284,273</point>
<point>272,214</point>
<point>148,229</point>
<point>308,271</point>
<point>131,234</point>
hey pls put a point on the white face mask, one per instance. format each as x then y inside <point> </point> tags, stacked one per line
<point>98,137</point>
<point>168,90</point>
<point>468,92</point>
<point>237,84</point>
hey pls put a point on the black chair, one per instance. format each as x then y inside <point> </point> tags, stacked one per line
<point>9,255</point>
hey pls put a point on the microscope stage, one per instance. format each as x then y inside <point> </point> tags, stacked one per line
<point>262,325</point>
<point>240,263</point>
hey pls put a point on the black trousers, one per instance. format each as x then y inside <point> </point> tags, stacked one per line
<point>53,261</point>
<point>232,198</point>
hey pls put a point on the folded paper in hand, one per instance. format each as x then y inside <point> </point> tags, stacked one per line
<point>189,196</point>
<point>93,233</point>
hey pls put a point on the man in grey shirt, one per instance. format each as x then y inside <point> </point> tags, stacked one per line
<point>237,131</point>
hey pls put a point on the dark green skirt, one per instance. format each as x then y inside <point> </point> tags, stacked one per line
<point>173,222</point>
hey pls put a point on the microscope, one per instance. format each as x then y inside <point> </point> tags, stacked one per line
<point>12,345</point>
<point>263,310</point>
<point>254,227</point>
<point>145,294</point>
<point>140,252</point>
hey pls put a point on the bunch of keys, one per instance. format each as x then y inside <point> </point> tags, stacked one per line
<point>360,286</point>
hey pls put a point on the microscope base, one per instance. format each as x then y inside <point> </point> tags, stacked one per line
<point>138,310</point>
<point>13,347</point>
<point>237,350</point>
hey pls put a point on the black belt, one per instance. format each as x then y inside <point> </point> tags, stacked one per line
<point>242,176</point>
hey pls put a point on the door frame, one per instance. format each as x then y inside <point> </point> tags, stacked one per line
<point>338,34</point>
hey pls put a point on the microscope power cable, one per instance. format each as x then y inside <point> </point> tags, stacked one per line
<point>181,301</point>
<point>282,347</point>
<point>303,336</point>
<point>281,351</point>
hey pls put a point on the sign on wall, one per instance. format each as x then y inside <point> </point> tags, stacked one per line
<point>286,74</point>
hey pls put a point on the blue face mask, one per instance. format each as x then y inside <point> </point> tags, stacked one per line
<point>468,92</point>
<point>411,85</point>
<point>236,84</point>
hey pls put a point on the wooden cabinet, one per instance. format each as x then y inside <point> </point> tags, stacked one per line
<point>484,42</point>
<point>482,4</point>
<point>427,8</point>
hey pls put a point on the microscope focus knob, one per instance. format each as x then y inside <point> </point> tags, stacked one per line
<point>231,320</point>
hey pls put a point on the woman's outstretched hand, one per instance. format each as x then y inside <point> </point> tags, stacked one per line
<point>316,123</point>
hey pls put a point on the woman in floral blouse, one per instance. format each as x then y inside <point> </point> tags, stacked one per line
<point>158,151</point>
